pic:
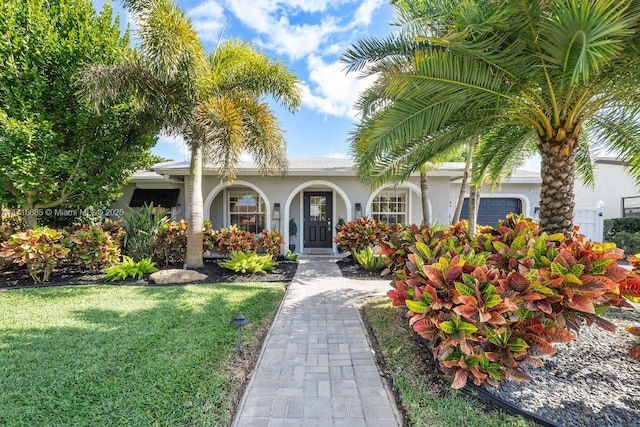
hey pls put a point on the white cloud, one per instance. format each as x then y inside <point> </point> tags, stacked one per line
<point>208,19</point>
<point>178,143</point>
<point>331,91</point>
<point>271,19</point>
<point>366,10</point>
<point>334,155</point>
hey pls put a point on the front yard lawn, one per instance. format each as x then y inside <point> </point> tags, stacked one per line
<point>127,355</point>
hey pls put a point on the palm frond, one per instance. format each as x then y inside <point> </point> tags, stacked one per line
<point>221,130</point>
<point>583,37</point>
<point>618,131</point>
<point>501,150</point>
<point>237,65</point>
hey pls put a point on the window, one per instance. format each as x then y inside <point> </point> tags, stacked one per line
<point>390,206</point>
<point>630,207</point>
<point>247,210</point>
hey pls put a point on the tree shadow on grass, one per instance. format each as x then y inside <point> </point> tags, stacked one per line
<point>161,363</point>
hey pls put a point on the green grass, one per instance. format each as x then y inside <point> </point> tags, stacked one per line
<point>425,394</point>
<point>125,356</point>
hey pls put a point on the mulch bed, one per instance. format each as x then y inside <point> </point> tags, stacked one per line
<point>14,277</point>
<point>350,269</point>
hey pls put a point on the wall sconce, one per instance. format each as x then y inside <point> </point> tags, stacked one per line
<point>275,218</point>
<point>358,210</point>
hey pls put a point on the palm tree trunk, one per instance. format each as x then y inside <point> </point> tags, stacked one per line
<point>474,202</point>
<point>195,218</point>
<point>463,186</point>
<point>424,197</point>
<point>557,199</point>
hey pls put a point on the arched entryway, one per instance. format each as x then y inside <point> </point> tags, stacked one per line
<point>316,207</point>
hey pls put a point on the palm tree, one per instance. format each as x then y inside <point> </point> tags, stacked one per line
<point>388,57</point>
<point>558,75</point>
<point>215,101</point>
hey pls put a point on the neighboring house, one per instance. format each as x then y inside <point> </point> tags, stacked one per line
<point>319,192</point>
<point>615,192</point>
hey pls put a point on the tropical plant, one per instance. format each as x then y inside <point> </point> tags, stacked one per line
<point>40,249</point>
<point>170,243</point>
<point>271,242</point>
<point>290,256</point>
<point>93,248</point>
<point>249,262</point>
<point>234,239</point>
<point>215,102</point>
<point>368,259</point>
<point>56,152</point>
<point>362,232</point>
<point>293,227</point>
<point>489,306</point>
<point>128,267</point>
<point>142,225</point>
<point>556,75</point>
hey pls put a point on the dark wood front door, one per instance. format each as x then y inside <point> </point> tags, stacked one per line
<point>317,219</point>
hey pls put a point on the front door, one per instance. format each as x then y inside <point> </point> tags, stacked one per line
<point>318,206</point>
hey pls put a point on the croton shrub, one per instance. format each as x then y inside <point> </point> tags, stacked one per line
<point>363,232</point>
<point>93,248</point>
<point>271,242</point>
<point>396,248</point>
<point>170,243</point>
<point>40,250</point>
<point>489,306</point>
<point>233,239</point>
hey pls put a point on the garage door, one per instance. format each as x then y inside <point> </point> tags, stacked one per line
<point>493,209</point>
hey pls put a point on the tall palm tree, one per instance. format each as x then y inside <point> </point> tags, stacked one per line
<point>214,101</point>
<point>559,74</point>
<point>375,161</point>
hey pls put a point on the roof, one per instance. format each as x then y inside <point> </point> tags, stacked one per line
<point>314,166</point>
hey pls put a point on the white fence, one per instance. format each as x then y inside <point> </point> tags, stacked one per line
<point>591,222</point>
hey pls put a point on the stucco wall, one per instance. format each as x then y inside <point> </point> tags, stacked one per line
<point>612,183</point>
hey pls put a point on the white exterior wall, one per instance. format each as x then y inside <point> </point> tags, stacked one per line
<point>612,183</point>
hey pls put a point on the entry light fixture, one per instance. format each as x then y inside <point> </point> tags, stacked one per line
<point>358,210</point>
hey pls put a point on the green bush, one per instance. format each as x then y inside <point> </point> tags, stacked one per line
<point>93,248</point>
<point>367,259</point>
<point>142,225</point>
<point>290,256</point>
<point>628,242</point>
<point>39,249</point>
<point>128,267</point>
<point>488,306</point>
<point>613,226</point>
<point>249,262</point>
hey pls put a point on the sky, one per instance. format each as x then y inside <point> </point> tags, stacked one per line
<point>309,36</point>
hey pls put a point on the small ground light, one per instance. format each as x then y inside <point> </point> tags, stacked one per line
<point>239,320</point>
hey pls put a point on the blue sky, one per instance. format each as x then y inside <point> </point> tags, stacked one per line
<point>309,36</point>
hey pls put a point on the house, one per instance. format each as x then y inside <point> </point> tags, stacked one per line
<point>318,193</point>
<point>615,192</point>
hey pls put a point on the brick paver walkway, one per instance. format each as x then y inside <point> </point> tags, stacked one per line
<point>316,367</point>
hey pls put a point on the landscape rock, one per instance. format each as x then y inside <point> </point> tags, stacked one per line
<point>176,276</point>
